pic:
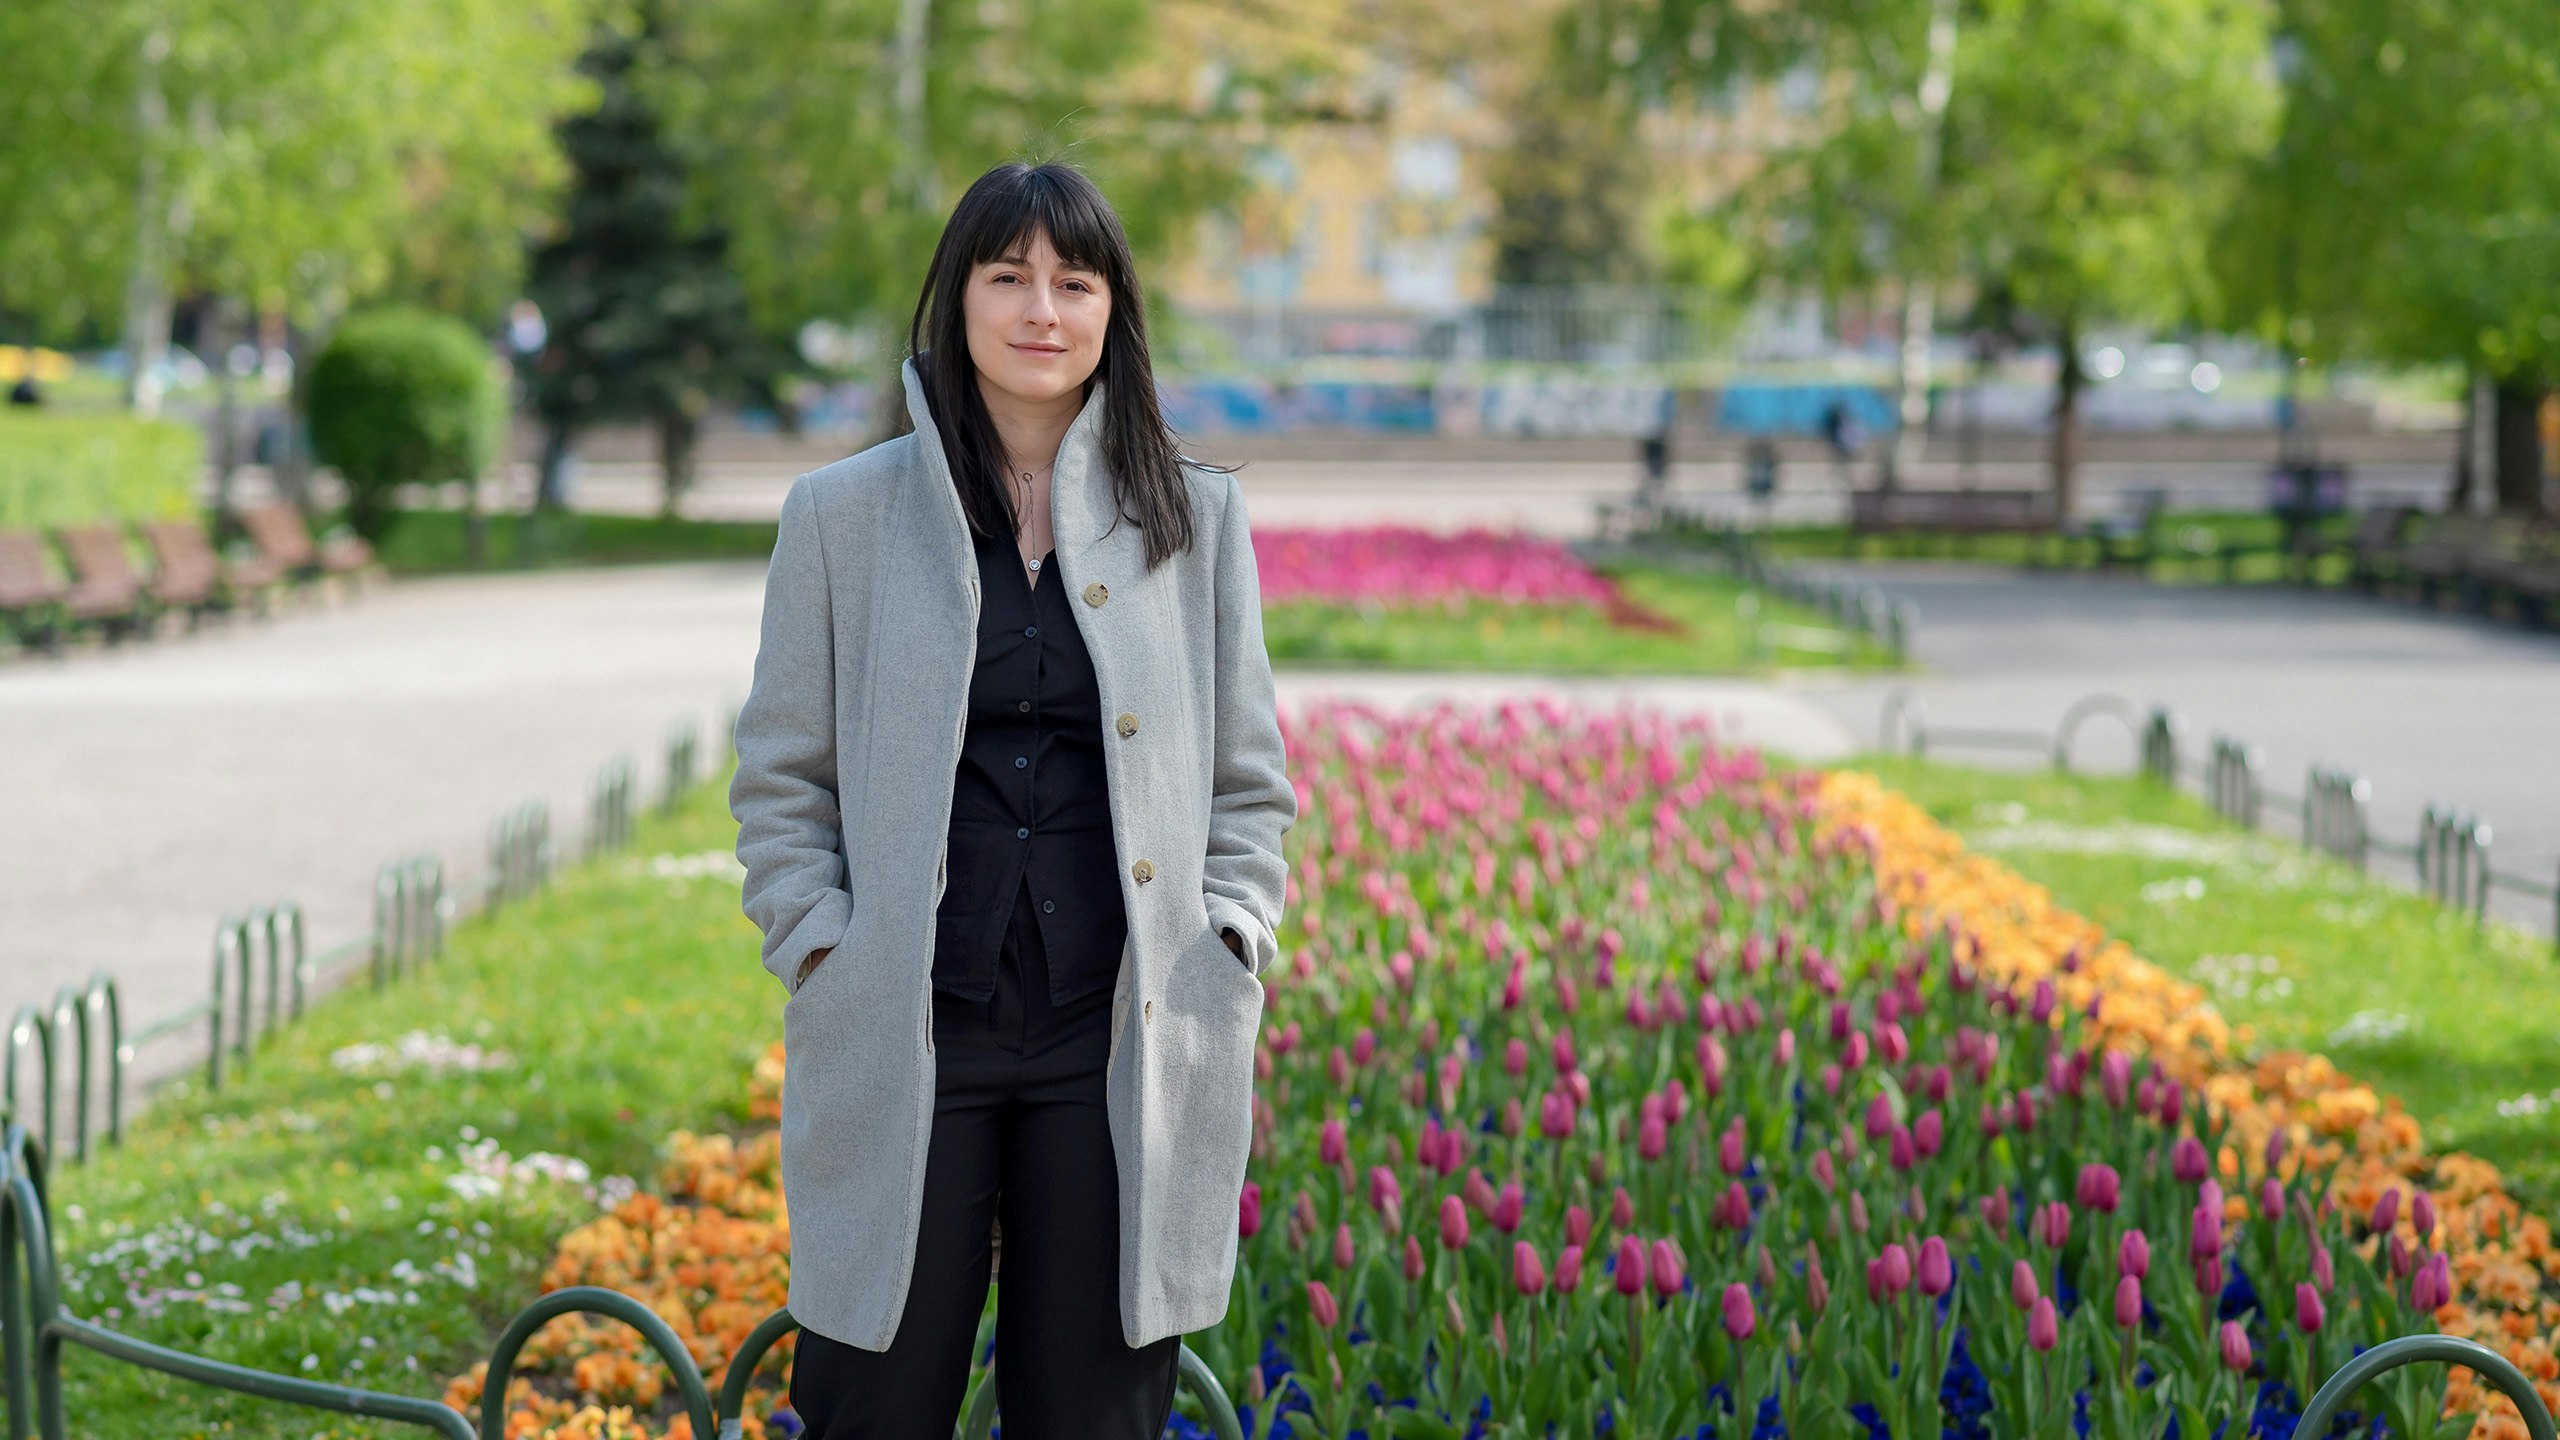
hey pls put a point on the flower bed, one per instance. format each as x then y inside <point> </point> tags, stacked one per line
<point>1405,566</point>
<point>1617,1081</point>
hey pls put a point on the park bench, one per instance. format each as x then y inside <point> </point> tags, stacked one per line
<point>189,572</point>
<point>2522,563</point>
<point>2372,551</point>
<point>1949,512</point>
<point>285,541</point>
<point>106,589</point>
<point>31,594</point>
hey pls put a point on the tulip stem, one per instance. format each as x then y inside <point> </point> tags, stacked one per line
<point>1635,1340</point>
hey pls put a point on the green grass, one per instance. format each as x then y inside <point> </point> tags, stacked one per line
<point>2455,1018</point>
<point>1560,639</point>
<point>2191,547</point>
<point>631,1004</point>
<point>433,542</point>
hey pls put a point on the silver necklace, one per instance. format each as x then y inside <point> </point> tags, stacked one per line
<point>1025,477</point>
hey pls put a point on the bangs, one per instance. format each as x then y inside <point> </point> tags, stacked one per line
<point>1081,232</point>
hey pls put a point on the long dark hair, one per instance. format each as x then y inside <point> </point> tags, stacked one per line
<point>1000,212</point>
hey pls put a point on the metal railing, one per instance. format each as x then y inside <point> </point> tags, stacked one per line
<point>31,1353</point>
<point>1858,610</point>
<point>2390,1355</point>
<point>2450,856</point>
<point>411,910</point>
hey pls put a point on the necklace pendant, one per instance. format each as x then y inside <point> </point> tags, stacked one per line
<point>1035,564</point>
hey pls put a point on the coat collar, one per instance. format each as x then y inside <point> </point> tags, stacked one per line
<point>1081,504</point>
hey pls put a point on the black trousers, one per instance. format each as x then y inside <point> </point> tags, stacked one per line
<point>1019,1130</point>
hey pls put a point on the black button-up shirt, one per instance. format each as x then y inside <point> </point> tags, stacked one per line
<point>1031,804</point>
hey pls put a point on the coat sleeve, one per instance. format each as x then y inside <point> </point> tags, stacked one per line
<point>790,831</point>
<point>1252,803</point>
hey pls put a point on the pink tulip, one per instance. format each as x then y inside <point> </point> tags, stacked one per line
<point>1831,1079</point>
<point>2053,1225</point>
<point>1652,1137</point>
<point>2236,1353</point>
<point>1929,1134</point>
<point>1337,1068</point>
<point>1577,1225</point>
<point>1823,1173</point>
<point>1630,1267</point>
<point>1320,1300</point>
<point>2128,1303</point>
<point>2022,1285</point>
<point>2044,1327</point>
<point>2115,1077</point>
<point>1555,1114</point>
<point>1892,1043</point>
<point>2271,1199</point>
<point>2100,1188</point>
<point>2187,1160</point>
<point>2209,1276</point>
<point>1876,1291</point>
<point>1507,1207</point>
<point>1453,1222</point>
<point>2133,1255</point>
<point>2422,1216</point>
<point>1901,1152</point>
<point>1667,1268</point>
<point>1739,1321</point>
<point>1733,1207</point>
<point>2386,1211</point>
<point>2308,1313</point>
<point>1515,1057</point>
<point>1897,1269</point>
<point>1858,1212</point>
<point>1842,1023</point>
<point>1991,1122</point>
<point>1344,1254</point>
<point>1364,1044</point>
<point>2324,1271</point>
<point>1331,1145</point>
<point>1729,1148</point>
<point>1786,1048</point>
<point>1528,1272</point>
<point>1995,1212</point>
<point>1622,1209</point>
<point>1569,1270</point>
<point>2204,1233</point>
<point>1937,1271</point>
<point>1383,1189</point>
<point>1249,1210</point>
<point>1412,1260</point>
<point>2173,1103</point>
<point>1563,1052</point>
<point>1817,1286</point>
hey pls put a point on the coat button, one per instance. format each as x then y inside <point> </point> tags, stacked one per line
<point>1144,871</point>
<point>1096,593</point>
<point>1128,724</point>
<point>1147,1012</point>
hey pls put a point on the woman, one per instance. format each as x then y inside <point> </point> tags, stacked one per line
<point>1010,795</point>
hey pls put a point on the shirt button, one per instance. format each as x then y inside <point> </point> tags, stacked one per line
<point>1030,629</point>
<point>1022,834</point>
<point>1046,906</point>
<point>1022,705</point>
<point>1020,761</point>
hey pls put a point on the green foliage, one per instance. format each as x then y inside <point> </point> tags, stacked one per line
<point>431,542</point>
<point>309,153</point>
<point>83,469</point>
<point>348,1200</point>
<point>401,394</point>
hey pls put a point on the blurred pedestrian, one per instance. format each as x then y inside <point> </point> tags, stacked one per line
<point>25,392</point>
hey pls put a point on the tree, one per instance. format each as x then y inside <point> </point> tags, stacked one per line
<point>398,395</point>
<point>645,319</point>
<point>299,154</point>
<point>2409,210</point>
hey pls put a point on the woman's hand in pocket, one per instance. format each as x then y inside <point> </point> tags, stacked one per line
<point>809,966</point>
<point>1235,943</point>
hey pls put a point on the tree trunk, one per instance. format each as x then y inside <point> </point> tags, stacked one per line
<point>2066,425</point>
<point>2519,443</point>
<point>1920,292</point>
<point>551,485</point>
<point>2466,459</point>
<point>677,432</point>
<point>146,294</point>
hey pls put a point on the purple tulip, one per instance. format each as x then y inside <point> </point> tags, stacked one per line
<point>1630,1267</point>
<point>2401,1260</point>
<point>1937,1271</point>
<point>1876,1291</point>
<point>2040,1010</point>
<point>1929,1135</point>
<point>2422,1216</point>
<point>1383,1189</point>
<point>1555,1114</point>
<point>1563,1052</point>
<point>1515,1057</point>
<point>1364,1045</point>
<point>2022,1285</point>
<point>1249,1210</point>
<point>1667,1267</point>
<point>1331,1146</point>
<point>1739,1321</point>
<point>2128,1303</point>
<point>2431,1289</point>
<point>1528,1272</point>
<point>1622,1209</point>
<point>1577,1225</point>
<point>1508,1206</point>
<point>2053,1225</point>
<point>1858,1212</point>
<point>2308,1313</point>
<point>1569,1270</point>
<point>1412,1260</point>
<point>1345,1254</point>
<point>2209,1276</point>
<point>2236,1354</point>
<point>2271,1199</point>
<point>2115,1077</point>
<point>2044,1327</point>
<point>1901,1151</point>
<point>2386,1211</point>
<point>2133,1255</point>
<point>2022,1112</point>
<point>1995,1212</point>
<point>1991,1122</point>
<point>2275,1149</point>
<point>2324,1271</point>
<point>2173,1103</point>
<point>1733,1207</point>
<point>1653,1136</point>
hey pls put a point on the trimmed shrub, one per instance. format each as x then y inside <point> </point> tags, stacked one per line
<point>89,469</point>
<point>402,394</point>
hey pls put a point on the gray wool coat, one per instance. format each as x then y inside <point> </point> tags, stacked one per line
<point>848,745</point>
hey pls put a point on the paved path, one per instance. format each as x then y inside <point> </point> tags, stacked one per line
<point>2430,708</point>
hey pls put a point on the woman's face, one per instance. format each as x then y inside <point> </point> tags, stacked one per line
<point>1035,322</point>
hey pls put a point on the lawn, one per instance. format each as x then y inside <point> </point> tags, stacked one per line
<point>386,1183</point>
<point>2457,1019</point>
<point>2192,546</point>
<point>432,542</point>
<point>1567,639</point>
